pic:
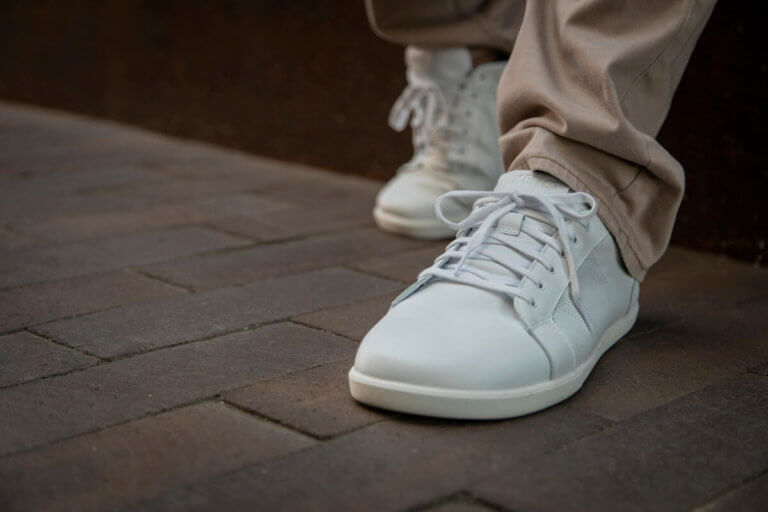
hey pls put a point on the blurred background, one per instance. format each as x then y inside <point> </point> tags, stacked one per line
<point>307,81</point>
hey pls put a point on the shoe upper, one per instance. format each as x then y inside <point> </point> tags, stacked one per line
<point>521,296</point>
<point>451,107</point>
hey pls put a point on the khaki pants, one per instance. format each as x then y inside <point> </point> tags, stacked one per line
<point>585,92</point>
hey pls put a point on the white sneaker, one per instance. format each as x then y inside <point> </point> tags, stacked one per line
<point>513,316</point>
<point>452,108</point>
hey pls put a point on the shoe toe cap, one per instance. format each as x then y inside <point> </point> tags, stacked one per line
<point>462,350</point>
<point>412,195</point>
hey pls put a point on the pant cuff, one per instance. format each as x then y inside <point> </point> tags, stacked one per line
<point>628,253</point>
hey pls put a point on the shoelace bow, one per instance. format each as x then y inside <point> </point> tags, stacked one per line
<point>422,101</point>
<point>477,230</point>
<point>425,104</point>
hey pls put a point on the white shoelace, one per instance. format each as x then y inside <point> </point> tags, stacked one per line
<point>432,122</point>
<point>423,102</point>
<point>550,214</point>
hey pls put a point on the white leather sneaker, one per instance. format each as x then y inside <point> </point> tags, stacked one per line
<point>452,112</point>
<point>513,316</point>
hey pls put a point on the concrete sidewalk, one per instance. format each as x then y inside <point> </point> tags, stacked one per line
<point>176,323</point>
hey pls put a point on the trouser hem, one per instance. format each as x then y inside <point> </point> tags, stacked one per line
<point>623,238</point>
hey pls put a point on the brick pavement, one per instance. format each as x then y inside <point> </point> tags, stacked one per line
<point>176,322</point>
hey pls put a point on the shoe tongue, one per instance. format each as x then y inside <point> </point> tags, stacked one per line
<point>530,182</point>
<point>443,66</point>
<point>527,182</point>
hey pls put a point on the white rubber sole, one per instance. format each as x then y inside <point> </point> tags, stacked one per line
<point>479,404</point>
<point>427,229</point>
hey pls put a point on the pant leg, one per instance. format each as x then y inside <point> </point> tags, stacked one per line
<point>473,23</point>
<point>585,92</point>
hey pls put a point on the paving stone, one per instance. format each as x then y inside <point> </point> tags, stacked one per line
<point>395,464</point>
<point>461,507</point>
<point>744,326</point>
<point>405,266</point>
<point>320,188</point>
<point>248,265</point>
<point>53,409</point>
<point>91,256</point>
<point>137,460</point>
<point>687,281</point>
<point>11,240</point>
<point>693,284</point>
<point>41,185</point>
<point>182,318</point>
<point>65,142</point>
<point>461,504</point>
<point>42,302</point>
<point>24,357</point>
<point>294,222</point>
<point>25,124</point>
<point>691,263</point>
<point>87,156</point>
<point>29,210</point>
<point>201,161</point>
<point>673,351</point>
<point>316,401</point>
<point>761,370</point>
<point>65,228</point>
<point>645,371</point>
<point>61,152</point>
<point>351,320</point>
<point>207,162</point>
<point>670,458</point>
<point>171,190</point>
<point>322,202</point>
<point>750,497</point>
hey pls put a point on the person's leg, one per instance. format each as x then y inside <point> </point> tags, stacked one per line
<point>456,52</point>
<point>514,315</point>
<point>475,24</point>
<point>585,92</point>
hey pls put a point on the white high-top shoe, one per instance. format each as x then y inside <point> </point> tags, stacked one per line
<point>514,315</point>
<point>452,108</point>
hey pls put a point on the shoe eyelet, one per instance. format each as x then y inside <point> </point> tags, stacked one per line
<point>551,270</point>
<point>541,286</point>
<point>575,241</point>
<point>533,303</point>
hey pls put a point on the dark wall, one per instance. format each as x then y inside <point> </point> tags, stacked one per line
<point>307,81</point>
